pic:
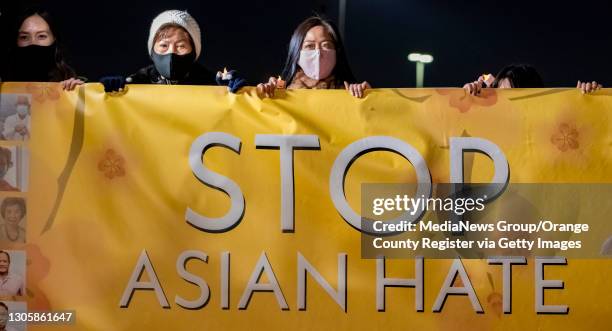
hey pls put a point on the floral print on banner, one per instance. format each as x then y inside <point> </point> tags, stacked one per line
<point>565,138</point>
<point>112,164</point>
<point>43,91</point>
<point>463,100</point>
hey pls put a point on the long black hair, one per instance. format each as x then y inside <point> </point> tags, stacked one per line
<point>520,76</point>
<point>342,71</point>
<point>61,70</point>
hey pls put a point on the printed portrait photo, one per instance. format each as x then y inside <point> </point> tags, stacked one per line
<point>12,274</point>
<point>13,169</point>
<point>12,307</point>
<point>12,220</point>
<point>15,117</point>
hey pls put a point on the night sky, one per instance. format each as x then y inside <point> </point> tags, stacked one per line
<point>565,42</point>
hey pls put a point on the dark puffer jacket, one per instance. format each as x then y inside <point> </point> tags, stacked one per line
<point>197,75</point>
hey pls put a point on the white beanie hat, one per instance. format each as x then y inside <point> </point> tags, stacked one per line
<point>181,18</point>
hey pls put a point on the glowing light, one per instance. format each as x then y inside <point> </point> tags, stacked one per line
<point>423,58</point>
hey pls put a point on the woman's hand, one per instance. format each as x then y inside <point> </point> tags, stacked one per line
<point>113,83</point>
<point>266,90</point>
<point>357,90</point>
<point>71,84</point>
<point>588,87</point>
<point>475,87</point>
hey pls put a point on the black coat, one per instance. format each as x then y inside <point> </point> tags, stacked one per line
<point>197,75</point>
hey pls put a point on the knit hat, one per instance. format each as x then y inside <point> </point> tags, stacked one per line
<point>181,18</point>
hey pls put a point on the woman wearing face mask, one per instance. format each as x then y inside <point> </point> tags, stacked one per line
<point>174,46</point>
<point>518,76</point>
<point>316,60</point>
<point>17,126</point>
<point>38,55</point>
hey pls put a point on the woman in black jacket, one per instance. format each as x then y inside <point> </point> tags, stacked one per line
<point>38,55</point>
<point>174,46</point>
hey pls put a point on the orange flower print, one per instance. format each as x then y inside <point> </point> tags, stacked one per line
<point>43,91</point>
<point>565,138</point>
<point>112,164</point>
<point>463,100</point>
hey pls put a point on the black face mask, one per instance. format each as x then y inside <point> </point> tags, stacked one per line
<point>173,66</point>
<point>33,63</point>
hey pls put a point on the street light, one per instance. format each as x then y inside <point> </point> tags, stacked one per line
<point>420,60</point>
<point>342,17</point>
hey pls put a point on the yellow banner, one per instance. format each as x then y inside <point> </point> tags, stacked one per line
<point>166,207</point>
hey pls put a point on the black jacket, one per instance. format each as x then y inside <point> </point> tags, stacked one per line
<point>198,75</point>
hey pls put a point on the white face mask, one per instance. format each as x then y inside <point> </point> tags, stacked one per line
<point>317,64</point>
<point>23,110</point>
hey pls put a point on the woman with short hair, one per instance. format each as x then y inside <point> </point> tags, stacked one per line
<point>174,46</point>
<point>13,211</point>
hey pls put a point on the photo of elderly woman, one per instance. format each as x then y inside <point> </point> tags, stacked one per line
<point>12,226</point>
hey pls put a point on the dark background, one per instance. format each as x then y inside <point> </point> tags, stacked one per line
<point>565,41</point>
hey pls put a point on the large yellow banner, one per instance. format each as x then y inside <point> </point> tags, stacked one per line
<point>189,208</point>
